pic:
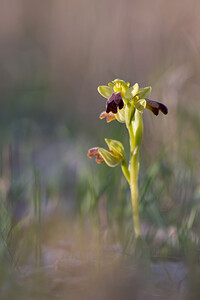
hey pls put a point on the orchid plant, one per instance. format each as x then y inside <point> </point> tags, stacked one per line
<point>126,104</point>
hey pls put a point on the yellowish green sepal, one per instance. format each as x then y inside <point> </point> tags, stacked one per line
<point>128,93</point>
<point>116,147</point>
<point>135,90</point>
<point>120,116</point>
<point>110,158</point>
<point>105,91</point>
<point>144,93</point>
<point>140,105</point>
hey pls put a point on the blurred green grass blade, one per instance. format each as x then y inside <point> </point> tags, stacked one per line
<point>150,177</point>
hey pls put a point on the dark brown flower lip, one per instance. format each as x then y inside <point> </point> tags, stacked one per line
<point>114,102</point>
<point>94,152</point>
<point>155,107</point>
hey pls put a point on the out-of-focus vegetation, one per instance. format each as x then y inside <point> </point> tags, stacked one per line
<point>65,223</point>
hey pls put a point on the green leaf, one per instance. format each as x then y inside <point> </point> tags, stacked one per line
<point>140,105</point>
<point>144,92</point>
<point>125,170</point>
<point>138,128</point>
<point>105,91</point>
<point>111,159</point>
<point>116,147</point>
<point>129,113</point>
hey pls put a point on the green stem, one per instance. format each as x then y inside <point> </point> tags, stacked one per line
<point>125,170</point>
<point>134,169</point>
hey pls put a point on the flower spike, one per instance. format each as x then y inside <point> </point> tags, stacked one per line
<point>126,104</point>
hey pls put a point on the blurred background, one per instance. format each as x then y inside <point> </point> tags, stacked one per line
<point>53,56</point>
